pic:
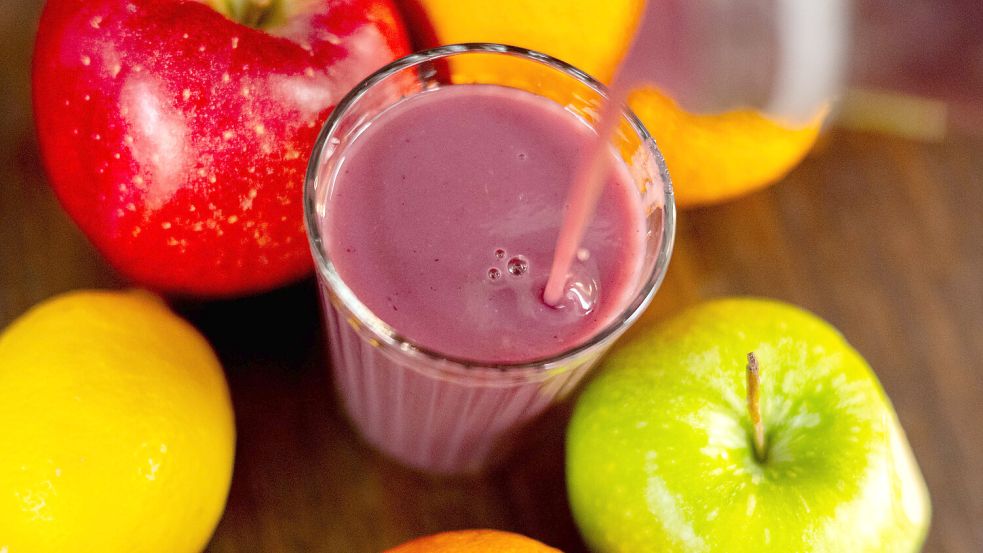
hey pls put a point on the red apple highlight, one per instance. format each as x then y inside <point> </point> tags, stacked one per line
<point>177,136</point>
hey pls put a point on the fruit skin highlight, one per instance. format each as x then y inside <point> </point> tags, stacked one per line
<point>177,138</point>
<point>712,158</point>
<point>660,456</point>
<point>118,431</point>
<point>474,541</point>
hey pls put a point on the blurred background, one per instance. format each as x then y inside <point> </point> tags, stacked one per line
<point>913,68</point>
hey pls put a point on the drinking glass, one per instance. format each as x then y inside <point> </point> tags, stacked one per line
<point>431,411</point>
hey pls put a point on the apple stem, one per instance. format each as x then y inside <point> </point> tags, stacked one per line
<point>252,13</point>
<point>754,407</point>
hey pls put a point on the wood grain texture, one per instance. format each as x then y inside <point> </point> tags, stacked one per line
<point>882,237</point>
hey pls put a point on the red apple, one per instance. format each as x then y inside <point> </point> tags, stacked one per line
<point>177,136</point>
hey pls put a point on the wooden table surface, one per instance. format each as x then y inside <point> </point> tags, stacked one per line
<point>881,236</point>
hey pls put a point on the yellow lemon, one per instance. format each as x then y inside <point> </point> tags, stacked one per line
<point>711,158</point>
<point>116,428</point>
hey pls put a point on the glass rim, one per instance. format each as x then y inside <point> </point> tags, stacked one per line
<point>385,333</point>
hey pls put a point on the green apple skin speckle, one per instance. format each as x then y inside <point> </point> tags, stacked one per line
<point>660,455</point>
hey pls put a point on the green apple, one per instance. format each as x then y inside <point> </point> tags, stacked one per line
<point>661,454</point>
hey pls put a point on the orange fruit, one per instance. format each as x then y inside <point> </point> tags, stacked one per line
<point>474,541</point>
<point>117,429</point>
<point>714,158</point>
<point>711,158</point>
<point>588,34</point>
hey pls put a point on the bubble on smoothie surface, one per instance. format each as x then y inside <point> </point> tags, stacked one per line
<point>494,274</point>
<point>518,266</point>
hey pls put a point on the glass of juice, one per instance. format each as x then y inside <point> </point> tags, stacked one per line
<point>433,203</point>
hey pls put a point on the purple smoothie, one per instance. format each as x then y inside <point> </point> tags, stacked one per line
<point>441,218</point>
<point>445,213</point>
